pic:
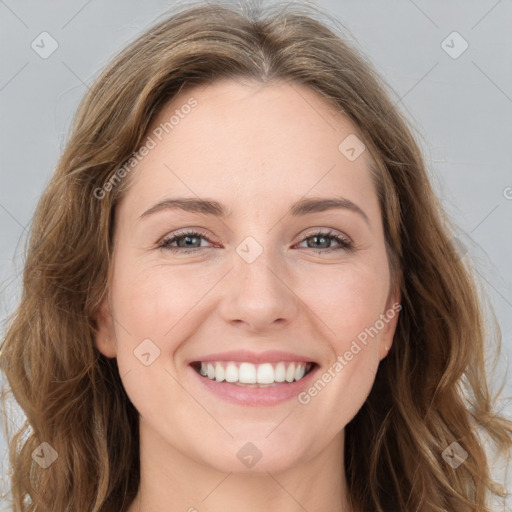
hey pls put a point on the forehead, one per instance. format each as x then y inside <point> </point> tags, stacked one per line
<point>248,142</point>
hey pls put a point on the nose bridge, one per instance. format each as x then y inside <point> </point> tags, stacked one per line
<point>262,273</point>
<point>257,293</point>
<point>257,268</point>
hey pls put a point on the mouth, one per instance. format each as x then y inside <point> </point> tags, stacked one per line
<point>250,375</point>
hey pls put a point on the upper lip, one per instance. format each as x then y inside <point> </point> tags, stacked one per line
<point>269,356</point>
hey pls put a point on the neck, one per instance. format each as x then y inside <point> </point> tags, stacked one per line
<point>170,477</point>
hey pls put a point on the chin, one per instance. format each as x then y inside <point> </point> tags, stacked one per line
<point>254,455</point>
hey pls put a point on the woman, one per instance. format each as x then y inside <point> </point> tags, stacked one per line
<point>241,292</point>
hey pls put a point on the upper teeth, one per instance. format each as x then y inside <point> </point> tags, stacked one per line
<point>249,373</point>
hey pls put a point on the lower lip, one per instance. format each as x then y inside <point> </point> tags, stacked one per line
<point>270,395</point>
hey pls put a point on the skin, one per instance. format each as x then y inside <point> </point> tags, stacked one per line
<point>256,149</point>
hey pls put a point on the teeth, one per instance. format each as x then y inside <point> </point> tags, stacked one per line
<point>290,373</point>
<point>231,373</point>
<point>249,373</point>
<point>300,371</point>
<point>265,374</point>
<point>220,373</point>
<point>279,372</point>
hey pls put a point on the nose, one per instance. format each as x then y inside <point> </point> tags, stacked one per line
<point>257,296</point>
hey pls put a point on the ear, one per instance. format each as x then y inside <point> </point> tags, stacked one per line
<point>390,320</point>
<point>105,337</point>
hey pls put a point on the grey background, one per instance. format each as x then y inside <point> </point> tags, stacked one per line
<point>461,107</point>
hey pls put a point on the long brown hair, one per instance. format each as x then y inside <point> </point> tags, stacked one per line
<point>430,391</point>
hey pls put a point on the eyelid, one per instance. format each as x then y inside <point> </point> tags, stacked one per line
<point>325,232</point>
<point>182,233</point>
<point>344,242</point>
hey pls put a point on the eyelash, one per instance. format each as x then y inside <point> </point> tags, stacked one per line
<point>344,243</point>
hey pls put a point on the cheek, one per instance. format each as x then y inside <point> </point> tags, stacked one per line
<point>157,308</point>
<point>155,301</point>
<point>346,302</point>
<point>349,304</point>
<point>152,317</point>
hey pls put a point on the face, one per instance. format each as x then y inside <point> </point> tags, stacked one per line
<point>261,284</point>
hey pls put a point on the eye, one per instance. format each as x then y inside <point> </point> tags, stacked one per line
<point>322,241</point>
<point>186,241</point>
<point>190,241</point>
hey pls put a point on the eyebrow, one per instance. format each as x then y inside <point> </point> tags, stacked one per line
<point>212,207</point>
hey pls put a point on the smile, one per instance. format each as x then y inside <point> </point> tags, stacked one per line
<point>253,375</point>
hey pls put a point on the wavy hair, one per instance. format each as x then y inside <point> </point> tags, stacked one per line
<point>431,389</point>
